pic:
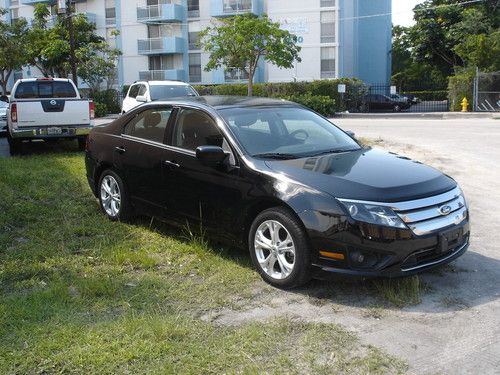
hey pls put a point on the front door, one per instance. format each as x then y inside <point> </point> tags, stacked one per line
<point>198,192</point>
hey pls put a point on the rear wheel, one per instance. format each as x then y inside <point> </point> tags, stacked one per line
<point>15,145</point>
<point>279,248</point>
<point>397,108</point>
<point>113,197</point>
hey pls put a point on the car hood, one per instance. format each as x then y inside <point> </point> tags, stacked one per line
<point>367,174</point>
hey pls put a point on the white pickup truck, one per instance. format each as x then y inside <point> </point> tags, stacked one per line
<point>47,108</point>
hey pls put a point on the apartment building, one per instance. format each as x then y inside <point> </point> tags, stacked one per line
<point>158,38</point>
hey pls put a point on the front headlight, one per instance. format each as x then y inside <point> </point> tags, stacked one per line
<point>373,214</point>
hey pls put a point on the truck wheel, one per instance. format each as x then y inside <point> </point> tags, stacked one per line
<point>279,248</point>
<point>15,145</point>
<point>82,141</point>
<point>113,196</point>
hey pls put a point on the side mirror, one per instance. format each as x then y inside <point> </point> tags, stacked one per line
<point>350,133</point>
<point>141,98</point>
<point>211,156</point>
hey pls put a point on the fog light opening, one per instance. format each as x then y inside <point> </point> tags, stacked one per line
<point>363,259</point>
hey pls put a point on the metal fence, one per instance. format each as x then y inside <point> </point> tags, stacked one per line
<point>487,92</point>
<point>387,98</point>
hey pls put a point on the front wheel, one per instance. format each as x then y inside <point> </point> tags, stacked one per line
<point>279,248</point>
<point>113,197</point>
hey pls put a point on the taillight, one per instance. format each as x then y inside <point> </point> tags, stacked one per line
<point>13,112</point>
<point>91,110</point>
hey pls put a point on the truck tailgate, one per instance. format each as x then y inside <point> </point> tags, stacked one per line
<point>52,112</point>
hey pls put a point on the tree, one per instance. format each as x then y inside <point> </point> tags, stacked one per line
<point>97,64</point>
<point>49,47</point>
<point>12,49</point>
<point>481,51</point>
<point>241,41</point>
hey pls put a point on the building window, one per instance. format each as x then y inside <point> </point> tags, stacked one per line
<point>14,3</point>
<point>232,6</point>
<point>195,67</point>
<point>110,12</point>
<point>163,62</point>
<point>328,27</point>
<point>327,3</point>
<point>235,75</point>
<point>14,15</point>
<point>328,62</point>
<point>193,37</point>
<point>193,8</point>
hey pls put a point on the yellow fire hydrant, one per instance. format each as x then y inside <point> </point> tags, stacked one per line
<point>465,104</point>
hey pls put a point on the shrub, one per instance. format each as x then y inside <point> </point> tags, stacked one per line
<point>101,109</point>
<point>110,100</point>
<point>302,91</point>
<point>319,103</point>
<point>460,86</point>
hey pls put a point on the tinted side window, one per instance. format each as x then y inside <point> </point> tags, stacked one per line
<point>149,124</point>
<point>195,128</point>
<point>134,90</point>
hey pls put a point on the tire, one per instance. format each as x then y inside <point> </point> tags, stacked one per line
<point>15,145</point>
<point>115,209</point>
<point>82,141</point>
<point>279,274</point>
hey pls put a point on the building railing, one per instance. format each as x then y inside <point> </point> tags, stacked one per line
<point>167,11</point>
<point>235,75</point>
<point>161,75</point>
<point>110,21</point>
<point>163,45</point>
<point>237,6</point>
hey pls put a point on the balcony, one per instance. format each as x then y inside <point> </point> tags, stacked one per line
<point>91,18</point>
<point>228,8</point>
<point>161,13</point>
<point>33,2</point>
<point>161,75</point>
<point>160,46</point>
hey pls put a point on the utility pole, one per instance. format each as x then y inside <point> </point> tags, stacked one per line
<point>71,30</point>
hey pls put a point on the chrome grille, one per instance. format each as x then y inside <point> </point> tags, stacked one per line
<point>427,215</point>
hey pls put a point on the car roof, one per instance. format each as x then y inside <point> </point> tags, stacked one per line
<point>221,102</point>
<point>165,82</point>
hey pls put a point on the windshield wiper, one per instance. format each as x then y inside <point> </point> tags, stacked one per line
<point>335,151</point>
<point>276,155</point>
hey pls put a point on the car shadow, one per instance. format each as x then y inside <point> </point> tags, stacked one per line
<point>469,281</point>
<point>41,147</point>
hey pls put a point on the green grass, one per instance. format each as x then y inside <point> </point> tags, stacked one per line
<point>82,294</point>
<point>401,292</point>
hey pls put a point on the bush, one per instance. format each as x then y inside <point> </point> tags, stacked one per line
<point>319,103</point>
<point>460,86</point>
<point>109,100</point>
<point>314,93</point>
<point>101,109</point>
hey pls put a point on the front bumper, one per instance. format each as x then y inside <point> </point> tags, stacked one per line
<point>386,252</point>
<point>66,131</point>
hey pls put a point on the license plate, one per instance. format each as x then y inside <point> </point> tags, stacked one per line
<point>451,239</point>
<point>54,131</point>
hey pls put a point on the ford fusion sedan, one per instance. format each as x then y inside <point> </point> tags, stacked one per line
<point>303,196</point>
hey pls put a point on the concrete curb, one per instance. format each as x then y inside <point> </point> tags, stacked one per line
<point>421,115</point>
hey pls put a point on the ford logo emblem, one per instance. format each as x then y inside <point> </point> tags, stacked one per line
<point>445,210</point>
<point>53,102</point>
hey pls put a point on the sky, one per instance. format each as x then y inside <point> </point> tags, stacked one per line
<point>402,11</point>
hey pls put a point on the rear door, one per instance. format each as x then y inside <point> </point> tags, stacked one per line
<point>50,103</point>
<point>141,153</point>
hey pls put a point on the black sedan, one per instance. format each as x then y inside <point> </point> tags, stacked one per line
<point>305,197</point>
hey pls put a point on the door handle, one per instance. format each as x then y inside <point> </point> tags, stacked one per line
<point>120,149</point>
<point>172,164</point>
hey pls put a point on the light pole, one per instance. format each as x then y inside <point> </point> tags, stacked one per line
<point>65,8</point>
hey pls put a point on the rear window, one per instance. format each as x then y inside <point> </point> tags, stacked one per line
<point>45,89</point>
<point>163,92</point>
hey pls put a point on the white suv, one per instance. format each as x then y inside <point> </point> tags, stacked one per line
<point>147,91</point>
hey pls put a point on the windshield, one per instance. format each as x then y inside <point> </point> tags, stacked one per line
<point>285,132</point>
<point>172,91</point>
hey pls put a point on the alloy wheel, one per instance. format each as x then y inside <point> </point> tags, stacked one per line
<point>275,249</point>
<point>110,196</point>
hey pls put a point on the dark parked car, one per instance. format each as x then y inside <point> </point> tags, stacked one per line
<point>304,196</point>
<point>385,102</point>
